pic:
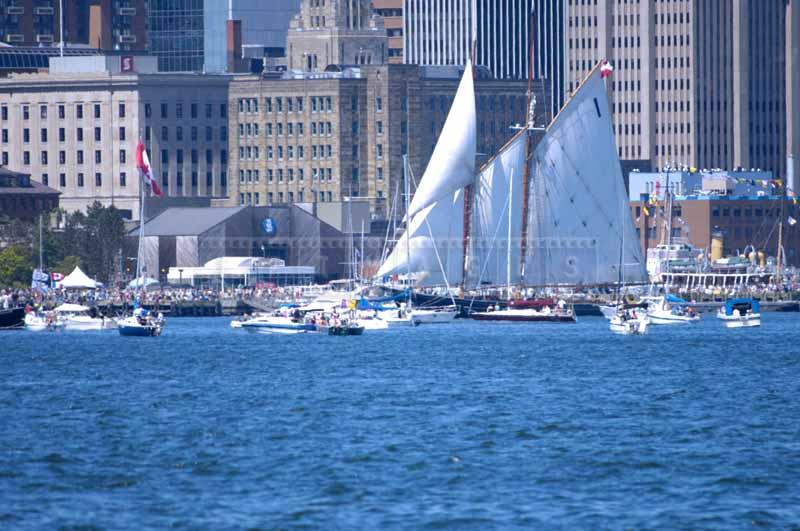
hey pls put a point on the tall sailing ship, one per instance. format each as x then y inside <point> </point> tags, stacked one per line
<point>567,214</point>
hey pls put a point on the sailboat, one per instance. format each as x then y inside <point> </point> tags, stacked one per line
<point>626,321</point>
<point>565,212</point>
<point>41,320</point>
<point>142,323</point>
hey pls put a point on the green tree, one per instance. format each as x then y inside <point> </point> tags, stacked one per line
<point>15,267</point>
<point>67,265</point>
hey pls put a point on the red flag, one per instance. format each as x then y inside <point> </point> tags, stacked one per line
<point>605,69</point>
<point>145,171</point>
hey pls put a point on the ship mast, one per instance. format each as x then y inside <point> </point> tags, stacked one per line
<point>468,188</point>
<point>528,152</point>
<point>780,239</point>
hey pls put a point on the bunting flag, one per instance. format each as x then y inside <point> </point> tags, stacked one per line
<point>791,221</point>
<point>646,211</point>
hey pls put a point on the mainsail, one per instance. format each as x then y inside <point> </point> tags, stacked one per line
<point>452,165</point>
<point>436,229</point>
<point>489,234</point>
<point>575,221</point>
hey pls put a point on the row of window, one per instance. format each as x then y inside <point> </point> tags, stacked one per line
<point>223,180</point>
<point>61,111</point>
<point>193,110</point>
<point>62,135</point>
<point>748,212</point>
<point>289,104</point>
<point>193,133</point>
<point>249,197</point>
<point>194,156</point>
<point>80,180</point>
<point>317,174</point>
<point>317,128</point>
<point>318,151</point>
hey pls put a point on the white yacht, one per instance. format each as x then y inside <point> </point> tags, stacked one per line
<point>670,310</point>
<point>76,317</point>
<point>740,313</point>
<point>629,323</point>
<point>41,321</point>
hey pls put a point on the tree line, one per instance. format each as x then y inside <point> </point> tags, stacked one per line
<point>92,240</point>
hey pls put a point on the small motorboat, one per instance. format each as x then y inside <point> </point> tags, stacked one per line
<point>278,323</point>
<point>77,317</point>
<point>671,310</point>
<point>141,324</point>
<point>43,321</point>
<point>345,329</point>
<point>433,315</point>
<point>629,322</point>
<point>740,313</point>
<point>609,311</point>
<point>545,310</point>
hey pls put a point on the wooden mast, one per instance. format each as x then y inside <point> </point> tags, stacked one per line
<point>468,188</point>
<point>528,153</point>
<point>780,238</point>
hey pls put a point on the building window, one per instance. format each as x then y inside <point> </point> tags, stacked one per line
<point>44,157</point>
<point>97,110</point>
<point>43,112</point>
<point>79,156</point>
<point>122,110</point>
<point>79,111</point>
<point>45,179</point>
<point>26,113</point>
<point>98,156</point>
<point>79,134</point>
<point>26,135</point>
<point>97,134</point>
<point>61,112</point>
<point>179,133</point>
<point>164,134</point>
<point>62,180</point>
<point>62,134</point>
<point>122,134</point>
<point>43,135</point>
<point>98,180</point>
<point>80,180</point>
<point>164,112</point>
<point>62,157</point>
<point>123,180</point>
<point>122,156</point>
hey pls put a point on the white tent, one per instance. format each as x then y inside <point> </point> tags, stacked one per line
<point>78,279</point>
<point>147,282</point>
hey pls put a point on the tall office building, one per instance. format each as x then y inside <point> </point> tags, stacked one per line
<point>336,32</point>
<point>702,84</point>
<point>262,31</point>
<point>105,24</point>
<point>392,13</point>
<point>175,34</point>
<point>442,33</point>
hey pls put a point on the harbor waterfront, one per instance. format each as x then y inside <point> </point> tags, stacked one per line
<point>468,425</point>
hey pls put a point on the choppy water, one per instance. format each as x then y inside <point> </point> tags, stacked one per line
<point>465,426</point>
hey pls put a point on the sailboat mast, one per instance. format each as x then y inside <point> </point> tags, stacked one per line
<point>508,252</point>
<point>528,151</point>
<point>407,188</point>
<point>41,259</point>
<point>141,233</point>
<point>780,239</point>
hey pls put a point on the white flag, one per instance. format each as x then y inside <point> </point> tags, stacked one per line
<point>791,220</point>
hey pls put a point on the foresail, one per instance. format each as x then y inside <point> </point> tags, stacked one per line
<point>577,201</point>
<point>489,227</point>
<point>452,165</point>
<point>445,221</point>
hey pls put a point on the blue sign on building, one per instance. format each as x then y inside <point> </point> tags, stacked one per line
<point>269,226</point>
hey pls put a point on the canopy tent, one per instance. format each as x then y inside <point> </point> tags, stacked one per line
<point>147,282</point>
<point>78,279</point>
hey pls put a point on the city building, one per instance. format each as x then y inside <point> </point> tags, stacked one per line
<point>259,26</point>
<point>740,208</point>
<point>702,84</point>
<point>76,129</point>
<point>391,11</point>
<point>20,59</point>
<point>22,198</point>
<point>175,34</point>
<point>442,33</point>
<point>324,137</point>
<point>336,32</point>
<point>106,24</point>
<point>184,238</point>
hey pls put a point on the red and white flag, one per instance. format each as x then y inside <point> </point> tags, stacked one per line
<point>145,171</point>
<point>605,69</point>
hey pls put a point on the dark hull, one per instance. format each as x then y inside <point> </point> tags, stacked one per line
<point>13,318</point>
<point>345,330</point>
<point>468,306</point>
<point>524,319</point>
<point>139,331</point>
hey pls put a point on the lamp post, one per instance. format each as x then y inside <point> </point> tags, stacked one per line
<point>180,276</point>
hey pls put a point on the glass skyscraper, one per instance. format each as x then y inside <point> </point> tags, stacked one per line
<point>175,34</point>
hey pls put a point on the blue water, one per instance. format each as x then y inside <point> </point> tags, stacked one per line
<point>468,426</point>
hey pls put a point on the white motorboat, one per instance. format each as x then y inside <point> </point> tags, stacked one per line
<point>671,310</point>
<point>740,313</point>
<point>41,321</point>
<point>141,324</point>
<point>445,314</point>
<point>76,317</point>
<point>279,322</point>
<point>629,323</point>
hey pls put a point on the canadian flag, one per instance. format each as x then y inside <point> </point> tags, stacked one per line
<point>145,171</point>
<point>605,69</point>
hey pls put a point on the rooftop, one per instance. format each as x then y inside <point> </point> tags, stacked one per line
<point>188,221</point>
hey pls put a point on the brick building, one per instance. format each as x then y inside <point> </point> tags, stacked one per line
<point>322,138</point>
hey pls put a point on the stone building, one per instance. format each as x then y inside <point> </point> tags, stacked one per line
<point>704,84</point>
<point>325,137</point>
<point>76,128</point>
<point>343,32</point>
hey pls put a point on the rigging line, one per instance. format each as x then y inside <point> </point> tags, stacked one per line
<point>435,247</point>
<point>494,239</point>
<point>392,214</point>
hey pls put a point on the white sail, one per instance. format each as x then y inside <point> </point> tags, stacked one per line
<point>576,194</point>
<point>452,165</point>
<point>444,220</point>
<point>489,225</point>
